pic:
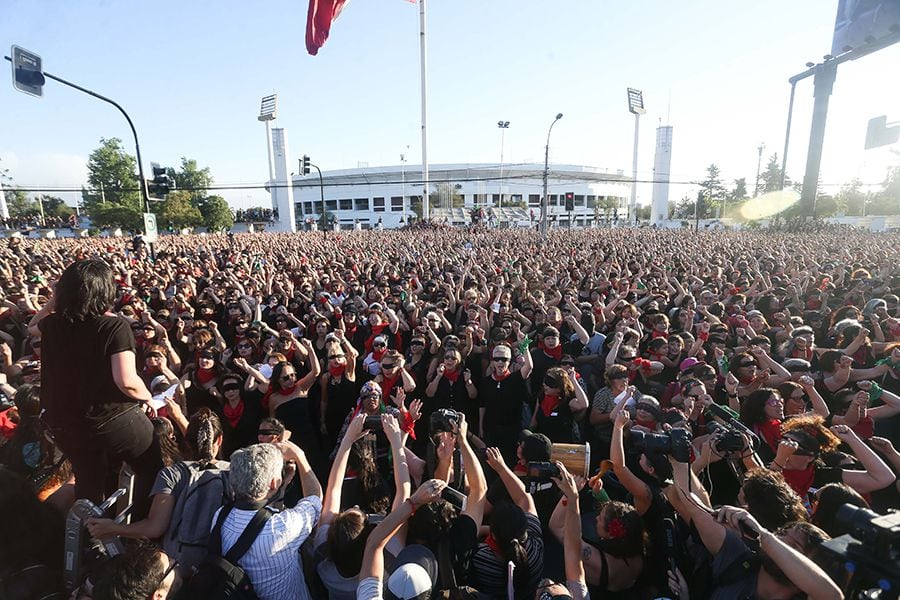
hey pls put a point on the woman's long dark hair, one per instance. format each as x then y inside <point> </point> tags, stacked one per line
<point>202,433</point>
<point>753,409</point>
<point>374,495</point>
<point>85,290</point>
<point>509,527</point>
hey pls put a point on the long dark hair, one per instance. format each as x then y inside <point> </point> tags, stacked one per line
<point>509,527</point>
<point>202,433</point>
<point>85,290</point>
<point>753,410</point>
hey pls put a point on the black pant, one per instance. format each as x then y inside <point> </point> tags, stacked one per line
<point>95,454</point>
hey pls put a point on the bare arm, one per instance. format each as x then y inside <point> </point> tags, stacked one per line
<point>126,378</point>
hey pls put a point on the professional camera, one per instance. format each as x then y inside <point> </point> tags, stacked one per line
<point>872,548</point>
<point>444,419</point>
<point>542,472</point>
<point>726,440</point>
<point>676,443</point>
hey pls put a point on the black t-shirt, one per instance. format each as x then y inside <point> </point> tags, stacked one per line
<point>502,403</point>
<point>77,386</point>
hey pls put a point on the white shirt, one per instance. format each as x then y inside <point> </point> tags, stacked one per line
<point>273,561</point>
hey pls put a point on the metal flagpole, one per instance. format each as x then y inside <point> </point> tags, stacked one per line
<point>426,211</point>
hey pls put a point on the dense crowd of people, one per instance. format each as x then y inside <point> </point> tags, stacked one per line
<point>441,412</point>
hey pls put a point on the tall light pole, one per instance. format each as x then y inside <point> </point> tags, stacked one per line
<point>503,125</point>
<point>635,107</point>
<point>544,214</point>
<point>268,111</point>
<point>760,148</point>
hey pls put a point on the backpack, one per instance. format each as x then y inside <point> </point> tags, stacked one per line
<point>220,577</point>
<point>189,535</point>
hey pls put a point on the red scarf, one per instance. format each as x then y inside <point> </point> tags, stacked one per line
<point>451,376</point>
<point>770,430</point>
<point>283,391</point>
<point>801,480</point>
<point>378,354</point>
<point>233,413</point>
<point>554,353</point>
<point>388,384</point>
<point>548,403</point>
<point>204,376</point>
<point>337,371</point>
<point>498,377</point>
<point>491,542</point>
<point>659,334</point>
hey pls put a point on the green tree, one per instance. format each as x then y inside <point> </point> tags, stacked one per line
<point>178,212</point>
<point>739,191</point>
<point>714,192</point>
<point>770,179</point>
<point>850,200</point>
<point>19,204</point>
<point>112,170</point>
<point>55,207</point>
<point>193,180</point>
<point>216,214</point>
<point>125,217</point>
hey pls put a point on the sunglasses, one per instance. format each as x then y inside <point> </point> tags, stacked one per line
<point>228,388</point>
<point>416,343</point>
<point>154,355</point>
<point>267,432</point>
<point>567,364</point>
<point>284,340</point>
<point>335,356</point>
<point>449,357</point>
<point>379,345</point>
<point>208,356</point>
<point>288,376</point>
<point>501,359</point>
<point>244,346</point>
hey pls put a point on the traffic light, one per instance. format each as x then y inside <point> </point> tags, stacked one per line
<point>304,165</point>
<point>28,76</point>
<point>570,201</point>
<point>162,183</point>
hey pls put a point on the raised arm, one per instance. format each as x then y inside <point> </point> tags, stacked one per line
<point>516,488</point>
<point>877,474</point>
<point>331,505</point>
<point>632,483</point>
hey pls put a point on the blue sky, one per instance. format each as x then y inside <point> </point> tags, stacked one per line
<point>191,75</point>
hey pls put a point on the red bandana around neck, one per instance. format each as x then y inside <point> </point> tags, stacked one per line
<point>554,353</point>
<point>204,376</point>
<point>337,371</point>
<point>548,403</point>
<point>233,413</point>
<point>451,376</point>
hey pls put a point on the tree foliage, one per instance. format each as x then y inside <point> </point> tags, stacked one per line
<point>112,178</point>
<point>770,179</point>
<point>216,214</point>
<point>19,204</point>
<point>178,212</point>
<point>193,180</point>
<point>713,192</point>
<point>125,217</point>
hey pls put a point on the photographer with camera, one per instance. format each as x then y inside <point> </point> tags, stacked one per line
<point>652,473</point>
<point>749,561</point>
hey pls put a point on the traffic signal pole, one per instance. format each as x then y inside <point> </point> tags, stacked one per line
<point>137,146</point>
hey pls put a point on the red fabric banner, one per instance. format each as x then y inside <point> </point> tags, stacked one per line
<point>321,15</point>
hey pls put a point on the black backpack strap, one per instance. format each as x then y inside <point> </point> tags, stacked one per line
<point>243,543</point>
<point>214,544</point>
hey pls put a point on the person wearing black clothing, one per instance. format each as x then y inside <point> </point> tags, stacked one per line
<point>91,393</point>
<point>239,414</point>
<point>559,402</point>
<point>501,396</point>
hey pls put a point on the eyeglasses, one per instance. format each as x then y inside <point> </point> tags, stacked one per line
<point>744,365</point>
<point>244,346</point>
<point>501,359</point>
<point>773,401</point>
<point>335,356</point>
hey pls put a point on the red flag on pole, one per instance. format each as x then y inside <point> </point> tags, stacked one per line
<point>321,15</point>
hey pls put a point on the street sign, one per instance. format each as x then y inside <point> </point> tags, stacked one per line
<point>150,231</point>
<point>27,73</point>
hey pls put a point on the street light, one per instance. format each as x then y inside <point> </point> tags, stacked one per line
<point>546,173</point>
<point>635,107</point>
<point>503,125</point>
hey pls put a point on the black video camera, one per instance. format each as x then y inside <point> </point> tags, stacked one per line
<point>726,440</point>
<point>444,419</point>
<point>675,443</point>
<point>542,472</point>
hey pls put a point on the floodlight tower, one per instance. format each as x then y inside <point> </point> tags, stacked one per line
<point>635,107</point>
<point>268,110</point>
